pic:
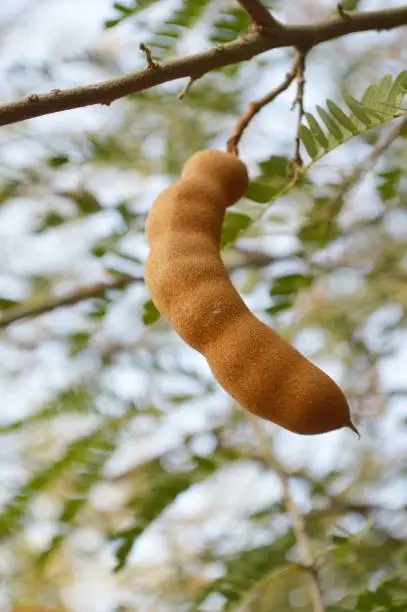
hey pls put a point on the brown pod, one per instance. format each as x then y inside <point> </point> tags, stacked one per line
<point>191,288</point>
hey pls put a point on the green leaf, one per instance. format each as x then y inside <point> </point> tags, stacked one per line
<point>380,103</point>
<point>51,219</point>
<point>13,512</point>
<point>126,11</point>
<point>155,489</point>
<point>122,8</point>
<point>333,127</point>
<point>243,570</point>
<point>169,33</point>
<point>279,306</point>
<point>57,161</point>
<point>85,200</point>
<point>150,313</point>
<point>308,141</point>
<point>75,400</point>
<point>260,192</point>
<point>234,223</point>
<point>8,189</point>
<point>317,131</point>
<point>276,167</point>
<point>318,232</point>
<point>229,25</point>
<point>291,283</point>
<point>389,186</point>
<point>339,540</point>
<point>357,109</point>
<point>83,481</point>
<point>340,116</point>
<point>78,341</point>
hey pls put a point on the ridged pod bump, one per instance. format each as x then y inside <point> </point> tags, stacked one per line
<point>190,286</point>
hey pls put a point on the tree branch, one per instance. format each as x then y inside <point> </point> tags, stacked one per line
<point>259,14</point>
<point>297,519</point>
<point>40,306</point>
<point>299,529</point>
<point>358,171</point>
<point>256,106</point>
<point>33,309</point>
<point>303,37</point>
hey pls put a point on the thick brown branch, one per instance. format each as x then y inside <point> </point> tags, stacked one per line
<point>33,309</point>
<point>302,37</point>
<point>259,14</point>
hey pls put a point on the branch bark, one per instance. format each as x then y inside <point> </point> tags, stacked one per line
<point>303,37</point>
<point>33,309</point>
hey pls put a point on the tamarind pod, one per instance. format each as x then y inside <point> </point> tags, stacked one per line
<point>191,288</point>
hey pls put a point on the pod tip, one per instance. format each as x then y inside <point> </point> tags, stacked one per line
<point>353,428</point>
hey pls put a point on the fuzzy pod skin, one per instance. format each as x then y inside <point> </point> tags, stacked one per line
<point>191,288</point>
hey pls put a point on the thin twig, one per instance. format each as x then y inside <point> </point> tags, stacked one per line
<point>256,106</point>
<point>245,48</point>
<point>298,521</point>
<point>259,15</point>
<point>299,102</point>
<point>38,307</point>
<point>367,164</point>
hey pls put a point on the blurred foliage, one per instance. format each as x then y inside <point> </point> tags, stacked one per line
<point>116,438</point>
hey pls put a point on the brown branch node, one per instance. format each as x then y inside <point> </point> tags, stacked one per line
<point>151,64</point>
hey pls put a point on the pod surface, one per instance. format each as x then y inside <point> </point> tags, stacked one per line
<point>191,288</point>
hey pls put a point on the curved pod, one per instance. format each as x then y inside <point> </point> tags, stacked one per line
<point>190,286</point>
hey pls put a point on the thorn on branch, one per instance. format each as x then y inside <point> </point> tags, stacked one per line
<point>151,64</point>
